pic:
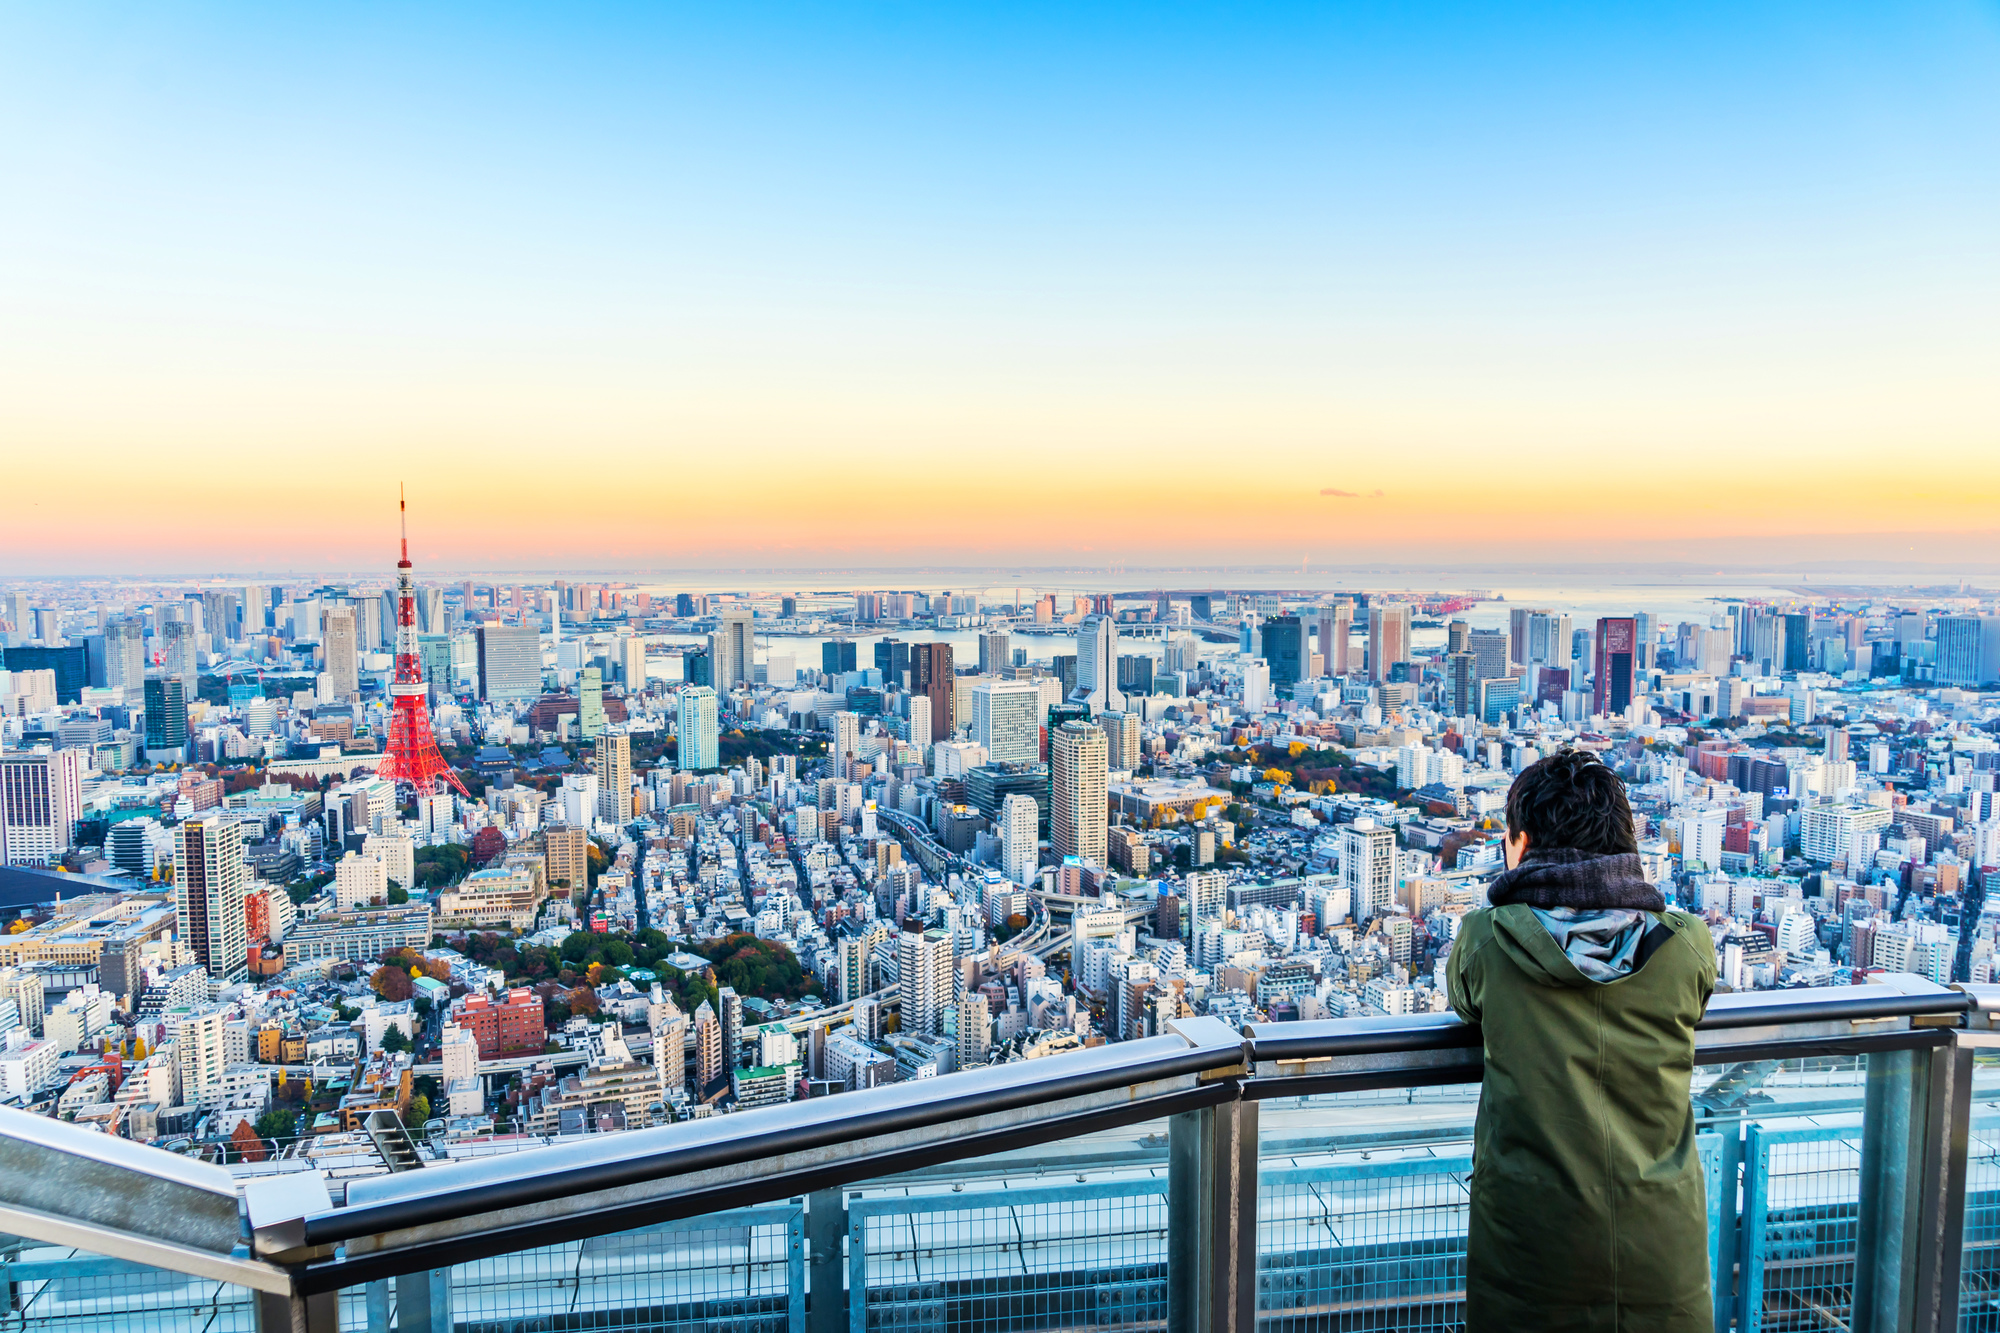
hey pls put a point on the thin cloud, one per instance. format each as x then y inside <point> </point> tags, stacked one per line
<point>1339,494</point>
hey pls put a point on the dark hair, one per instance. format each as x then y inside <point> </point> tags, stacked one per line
<point>1571,800</point>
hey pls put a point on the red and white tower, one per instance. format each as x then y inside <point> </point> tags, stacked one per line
<point>413,753</point>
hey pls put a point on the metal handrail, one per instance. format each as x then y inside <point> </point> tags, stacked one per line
<point>444,1214</point>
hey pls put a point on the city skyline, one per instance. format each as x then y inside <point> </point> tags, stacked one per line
<point>1219,289</point>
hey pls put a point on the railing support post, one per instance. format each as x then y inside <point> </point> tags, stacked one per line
<point>826,1223</point>
<point>423,1302</point>
<point>1212,1219</point>
<point>1947,1140</point>
<point>298,1314</point>
<point>1894,1141</point>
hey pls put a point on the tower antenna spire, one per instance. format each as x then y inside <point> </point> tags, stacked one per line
<point>413,757</point>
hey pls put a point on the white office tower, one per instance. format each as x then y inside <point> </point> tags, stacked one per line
<point>1019,817</point>
<point>209,887</point>
<point>461,1072</point>
<point>436,815</point>
<point>1079,777</point>
<point>1097,664</point>
<point>733,650</point>
<point>41,800</point>
<point>698,732</point>
<point>360,880</point>
<point>995,652</point>
<point>1368,867</point>
<point>20,620</point>
<point>1182,653</point>
<point>398,852</point>
<point>1256,687</point>
<point>925,979</point>
<point>1007,720</point>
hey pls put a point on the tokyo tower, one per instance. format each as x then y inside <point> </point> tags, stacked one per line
<point>413,753</point>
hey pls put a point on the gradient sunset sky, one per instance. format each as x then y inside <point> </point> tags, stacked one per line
<point>625,286</point>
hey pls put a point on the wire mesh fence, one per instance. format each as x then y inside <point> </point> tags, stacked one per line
<point>1801,1209</point>
<point>56,1289</point>
<point>1086,1254</point>
<point>1979,1263</point>
<point>1363,1245</point>
<point>738,1270</point>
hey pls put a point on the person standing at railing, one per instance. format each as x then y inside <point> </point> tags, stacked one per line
<point>1588,1209</point>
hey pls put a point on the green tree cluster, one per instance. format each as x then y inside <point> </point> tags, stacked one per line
<point>762,968</point>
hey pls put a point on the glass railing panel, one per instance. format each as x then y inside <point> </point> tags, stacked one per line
<point>1067,1234</point>
<point>59,1289</point>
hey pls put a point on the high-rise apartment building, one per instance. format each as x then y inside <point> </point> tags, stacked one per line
<point>1388,639</point>
<point>613,765</point>
<point>995,652</point>
<point>509,659</point>
<point>632,663</point>
<point>1617,657</point>
<point>125,656</point>
<point>1368,867</point>
<point>926,980</point>
<point>1020,818</point>
<point>210,881</point>
<point>566,853</point>
<point>41,799</point>
<point>1121,738</point>
<point>699,732</point>
<point>590,703</point>
<point>1006,720</point>
<point>1079,797</point>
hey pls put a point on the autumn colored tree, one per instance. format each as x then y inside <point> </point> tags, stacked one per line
<point>392,983</point>
<point>245,1145</point>
<point>583,1000</point>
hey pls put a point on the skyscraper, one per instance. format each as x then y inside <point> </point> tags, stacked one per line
<point>1006,719</point>
<point>1121,739</point>
<point>1097,664</point>
<point>1079,773</point>
<point>699,731</point>
<point>1388,638</point>
<point>339,641</point>
<point>613,766</point>
<point>1491,648</point>
<point>41,799</point>
<point>892,659</point>
<point>1284,650</point>
<point>734,646</point>
<point>166,720</point>
<point>1616,665</point>
<point>836,656</point>
<point>209,887</point>
<point>931,674</point>
<point>1336,632</point>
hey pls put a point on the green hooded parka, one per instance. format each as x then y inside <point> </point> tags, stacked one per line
<point>1588,1209</point>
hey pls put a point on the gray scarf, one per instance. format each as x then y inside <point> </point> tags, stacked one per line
<point>1580,881</point>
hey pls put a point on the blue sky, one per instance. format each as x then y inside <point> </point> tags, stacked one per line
<point>1284,248</point>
